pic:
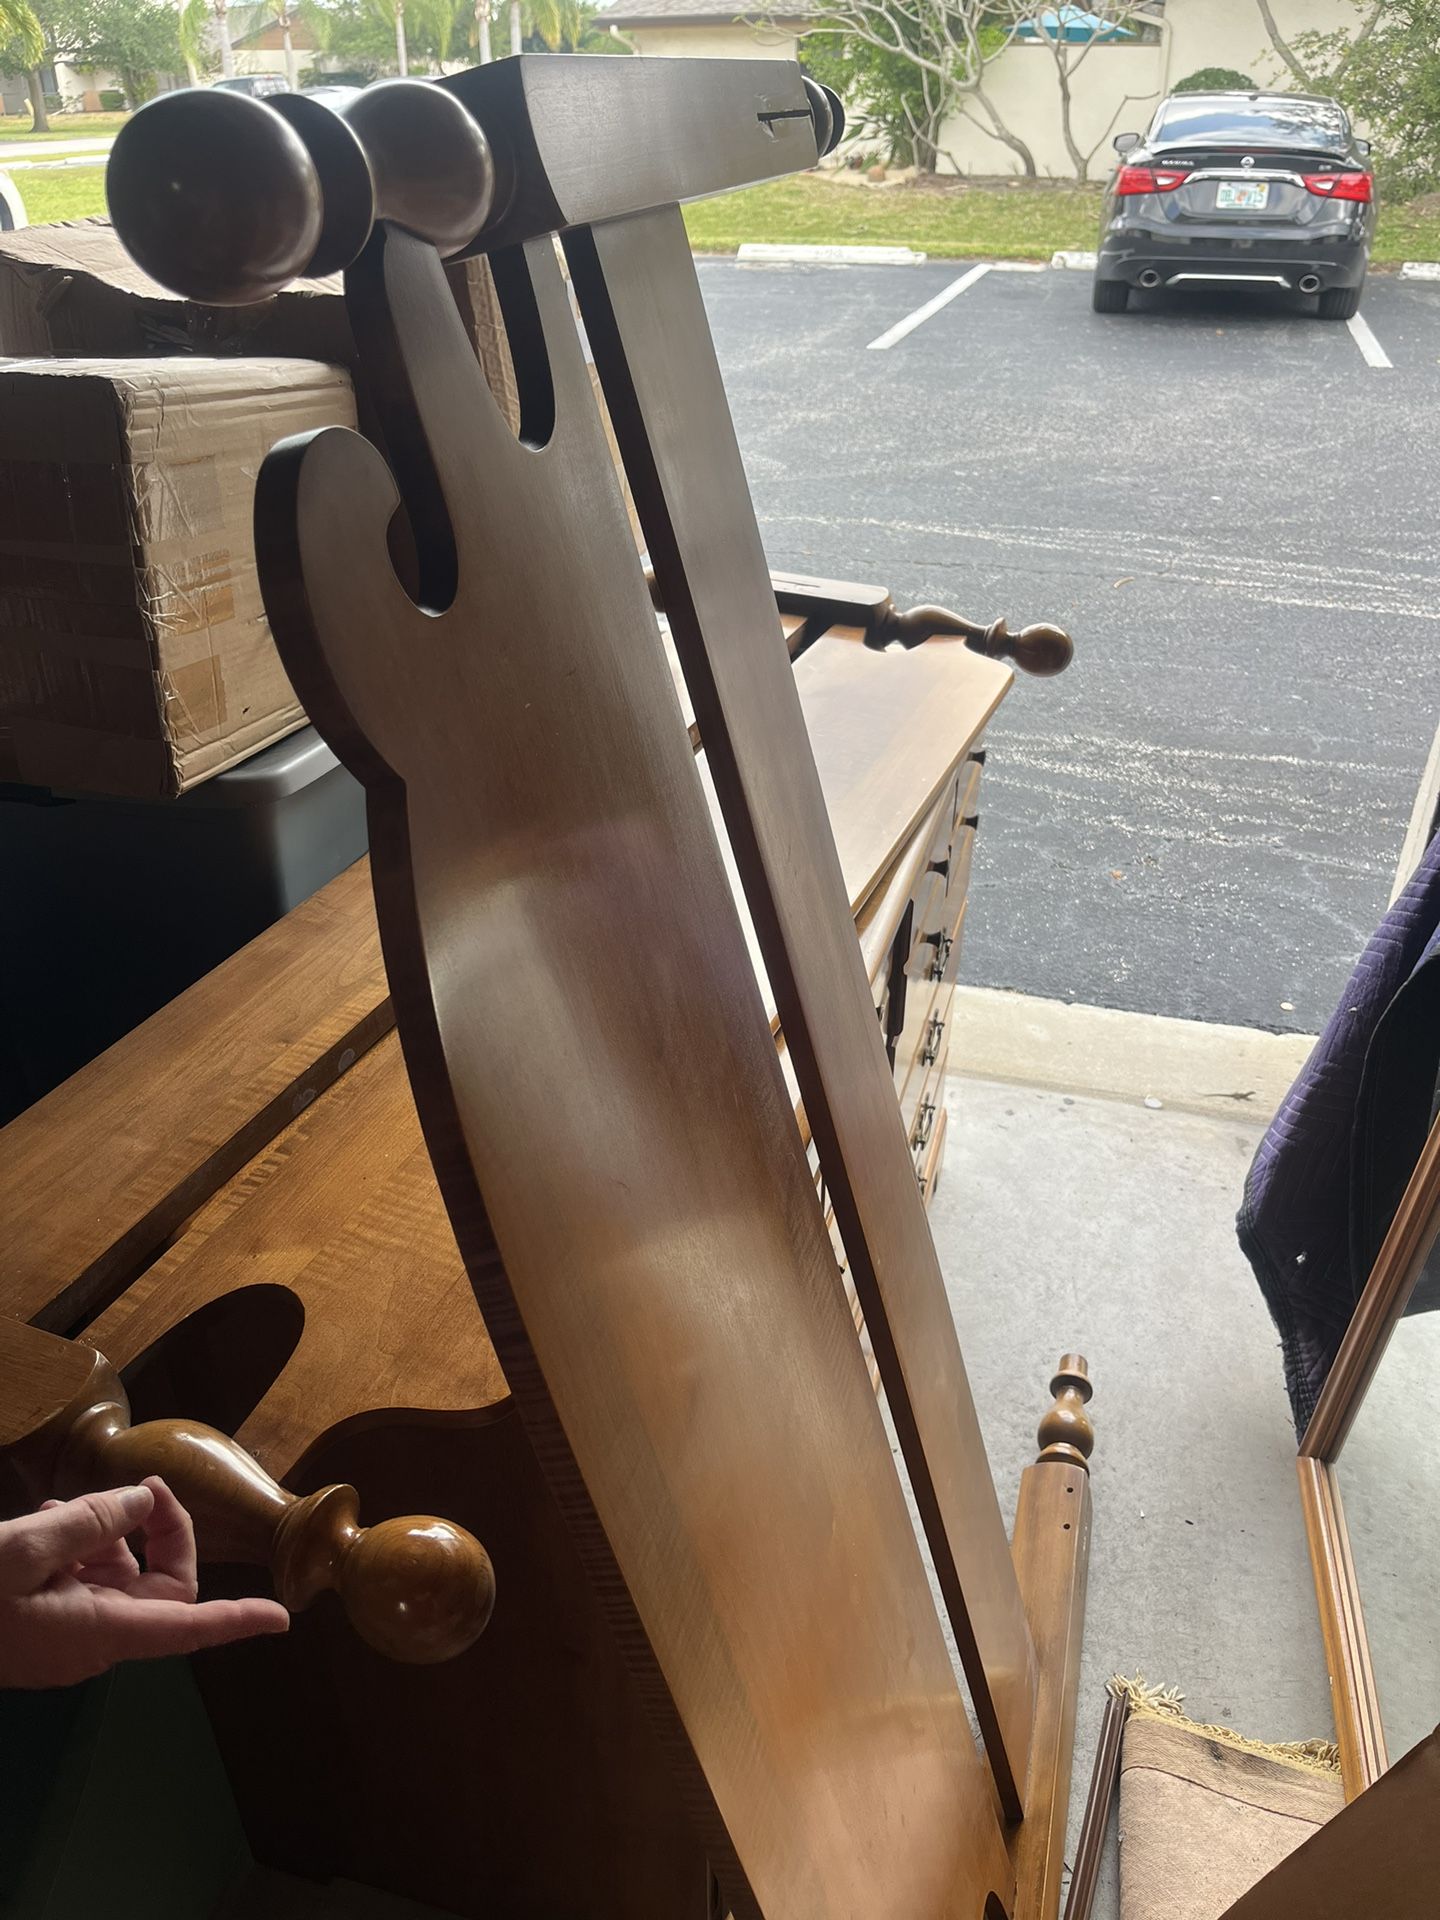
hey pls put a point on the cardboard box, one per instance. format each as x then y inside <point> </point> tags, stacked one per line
<point>135,658</point>
<point>71,288</point>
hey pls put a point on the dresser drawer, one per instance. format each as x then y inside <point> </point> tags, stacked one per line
<point>935,953</point>
<point>929,1104</point>
<point>927,1014</point>
<point>967,790</point>
<point>929,1174</point>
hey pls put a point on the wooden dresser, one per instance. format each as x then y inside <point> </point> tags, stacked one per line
<point>236,1206</point>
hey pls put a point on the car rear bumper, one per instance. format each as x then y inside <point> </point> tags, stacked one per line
<point>1138,255</point>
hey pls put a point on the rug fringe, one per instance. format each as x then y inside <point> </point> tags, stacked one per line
<point>1167,1703</point>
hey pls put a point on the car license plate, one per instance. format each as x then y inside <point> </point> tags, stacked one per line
<point>1245,196</point>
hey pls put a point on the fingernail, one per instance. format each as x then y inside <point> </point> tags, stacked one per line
<point>136,1501</point>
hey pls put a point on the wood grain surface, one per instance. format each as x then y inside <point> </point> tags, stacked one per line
<point>1378,1857</point>
<point>343,1211</point>
<point>97,1175</point>
<point>1354,1696</point>
<point>1052,1558</point>
<point>640,301</point>
<point>602,1100</point>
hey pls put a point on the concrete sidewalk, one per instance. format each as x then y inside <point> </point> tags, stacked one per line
<point>1072,1216</point>
<point>38,151</point>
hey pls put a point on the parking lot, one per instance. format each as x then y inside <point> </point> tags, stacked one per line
<point>1231,505</point>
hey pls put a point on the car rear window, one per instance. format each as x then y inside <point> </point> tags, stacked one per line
<point>1275,122</point>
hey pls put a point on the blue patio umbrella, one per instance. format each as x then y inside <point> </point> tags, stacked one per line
<point>1072,23</point>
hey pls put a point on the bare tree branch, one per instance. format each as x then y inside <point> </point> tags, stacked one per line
<point>1282,45</point>
<point>949,44</point>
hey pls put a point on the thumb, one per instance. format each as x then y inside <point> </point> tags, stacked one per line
<point>38,1545</point>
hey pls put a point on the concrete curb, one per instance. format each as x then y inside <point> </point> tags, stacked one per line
<point>1077,260</point>
<point>53,166</point>
<point>1420,270</point>
<point>772,253</point>
<point>1187,1065</point>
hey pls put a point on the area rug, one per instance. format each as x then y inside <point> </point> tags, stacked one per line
<point>1205,1813</point>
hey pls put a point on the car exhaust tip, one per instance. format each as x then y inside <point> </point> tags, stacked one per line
<point>1150,278</point>
<point>1310,283</point>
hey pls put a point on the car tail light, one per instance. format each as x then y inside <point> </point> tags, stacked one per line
<point>1341,186</point>
<point>1148,179</point>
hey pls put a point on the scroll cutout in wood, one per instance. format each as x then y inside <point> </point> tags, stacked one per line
<point>601,1096</point>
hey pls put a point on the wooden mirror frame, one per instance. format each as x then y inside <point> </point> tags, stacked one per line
<point>1356,1701</point>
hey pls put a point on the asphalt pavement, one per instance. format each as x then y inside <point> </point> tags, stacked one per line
<point>1231,505</point>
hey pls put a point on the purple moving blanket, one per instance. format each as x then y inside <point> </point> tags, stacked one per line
<point>1335,1160</point>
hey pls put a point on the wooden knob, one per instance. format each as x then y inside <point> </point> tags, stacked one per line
<point>828,113</point>
<point>1042,649</point>
<point>215,196</point>
<point>225,199</point>
<point>1066,1432</point>
<point>433,169</point>
<point>417,1589</point>
<point>347,186</point>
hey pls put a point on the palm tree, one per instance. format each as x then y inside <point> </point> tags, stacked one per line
<point>281,11</point>
<point>517,26</point>
<point>219,14</point>
<point>194,37</point>
<point>482,31</point>
<point>22,42</point>
<point>20,31</point>
<point>561,24</point>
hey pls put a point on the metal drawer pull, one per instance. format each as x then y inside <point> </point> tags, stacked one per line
<point>943,944</point>
<point>924,1123</point>
<point>930,1049</point>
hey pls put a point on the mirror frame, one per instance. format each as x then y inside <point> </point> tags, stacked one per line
<point>1359,1731</point>
<point>1127,142</point>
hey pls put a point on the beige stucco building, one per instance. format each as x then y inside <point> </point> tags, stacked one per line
<point>1114,87</point>
<point>704,29</point>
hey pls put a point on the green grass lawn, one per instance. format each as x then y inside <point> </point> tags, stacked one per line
<point>989,222</point>
<point>1001,223</point>
<point>60,193</point>
<point>63,126</point>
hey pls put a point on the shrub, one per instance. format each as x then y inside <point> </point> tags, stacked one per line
<point>1215,80</point>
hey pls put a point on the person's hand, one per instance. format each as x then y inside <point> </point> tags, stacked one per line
<point>73,1600</point>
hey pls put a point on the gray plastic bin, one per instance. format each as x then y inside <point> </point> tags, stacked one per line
<point>112,907</point>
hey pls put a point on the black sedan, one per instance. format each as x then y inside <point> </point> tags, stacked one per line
<point>1261,189</point>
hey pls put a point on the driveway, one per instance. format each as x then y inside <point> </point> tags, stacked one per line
<point>1232,506</point>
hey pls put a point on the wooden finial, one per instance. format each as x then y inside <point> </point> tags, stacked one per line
<point>416,1589</point>
<point>1041,649</point>
<point>1066,1433</point>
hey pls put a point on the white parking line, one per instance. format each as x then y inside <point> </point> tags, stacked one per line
<point>922,314</point>
<point>1375,354</point>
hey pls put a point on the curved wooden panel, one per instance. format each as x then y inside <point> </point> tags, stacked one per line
<point>641,303</point>
<point>601,1096</point>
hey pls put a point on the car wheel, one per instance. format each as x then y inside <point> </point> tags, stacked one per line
<point>1109,296</point>
<point>1341,303</point>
